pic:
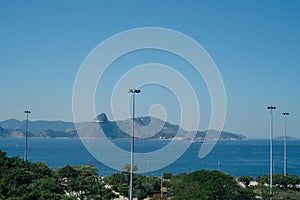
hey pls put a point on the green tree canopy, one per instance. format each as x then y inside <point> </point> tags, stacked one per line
<point>20,180</point>
<point>208,185</point>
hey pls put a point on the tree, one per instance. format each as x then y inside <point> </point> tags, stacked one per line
<point>279,180</point>
<point>104,193</point>
<point>142,186</point>
<point>245,180</point>
<point>167,175</point>
<point>145,186</point>
<point>117,179</point>
<point>287,182</point>
<point>35,181</point>
<point>208,185</point>
<point>79,181</point>
<point>44,188</point>
<point>126,168</point>
<point>123,188</point>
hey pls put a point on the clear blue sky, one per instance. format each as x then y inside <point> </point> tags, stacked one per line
<point>255,44</point>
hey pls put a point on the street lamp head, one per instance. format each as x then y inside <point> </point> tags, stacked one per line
<point>134,90</point>
<point>27,111</point>
<point>285,113</point>
<point>271,107</point>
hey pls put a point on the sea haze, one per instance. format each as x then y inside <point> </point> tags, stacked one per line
<point>235,157</point>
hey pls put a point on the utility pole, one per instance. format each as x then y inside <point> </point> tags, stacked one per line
<point>285,114</point>
<point>133,91</point>
<point>26,135</point>
<point>271,108</point>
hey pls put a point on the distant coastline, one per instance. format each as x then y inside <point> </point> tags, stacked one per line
<point>13,128</point>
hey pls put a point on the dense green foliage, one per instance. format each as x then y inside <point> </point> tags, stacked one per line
<point>245,180</point>
<point>197,185</point>
<point>35,181</point>
<point>21,180</point>
<point>284,187</point>
<point>208,185</point>
<point>285,182</point>
<point>143,186</point>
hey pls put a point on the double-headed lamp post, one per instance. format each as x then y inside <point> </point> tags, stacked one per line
<point>133,91</point>
<point>285,114</point>
<point>26,134</point>
<point>271,108</point>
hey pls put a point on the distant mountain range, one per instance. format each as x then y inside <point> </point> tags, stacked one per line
<point>112,129</point>
<point>287,137</point>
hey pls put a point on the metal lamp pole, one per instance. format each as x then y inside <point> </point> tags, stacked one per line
<point>285,114</point>
<point>161,185</point>
<point>26,135</point>
<point>271,147</point>
<point>133,91</point>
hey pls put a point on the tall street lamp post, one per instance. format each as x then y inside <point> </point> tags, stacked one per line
<point>271,108</point>
<point>285,114</point>
<point>133,91</point>
<point>26,135</point>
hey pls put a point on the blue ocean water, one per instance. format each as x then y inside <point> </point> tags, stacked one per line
<point>241,157</point>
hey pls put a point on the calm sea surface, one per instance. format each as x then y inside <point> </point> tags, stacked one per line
<point>250,157</point>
